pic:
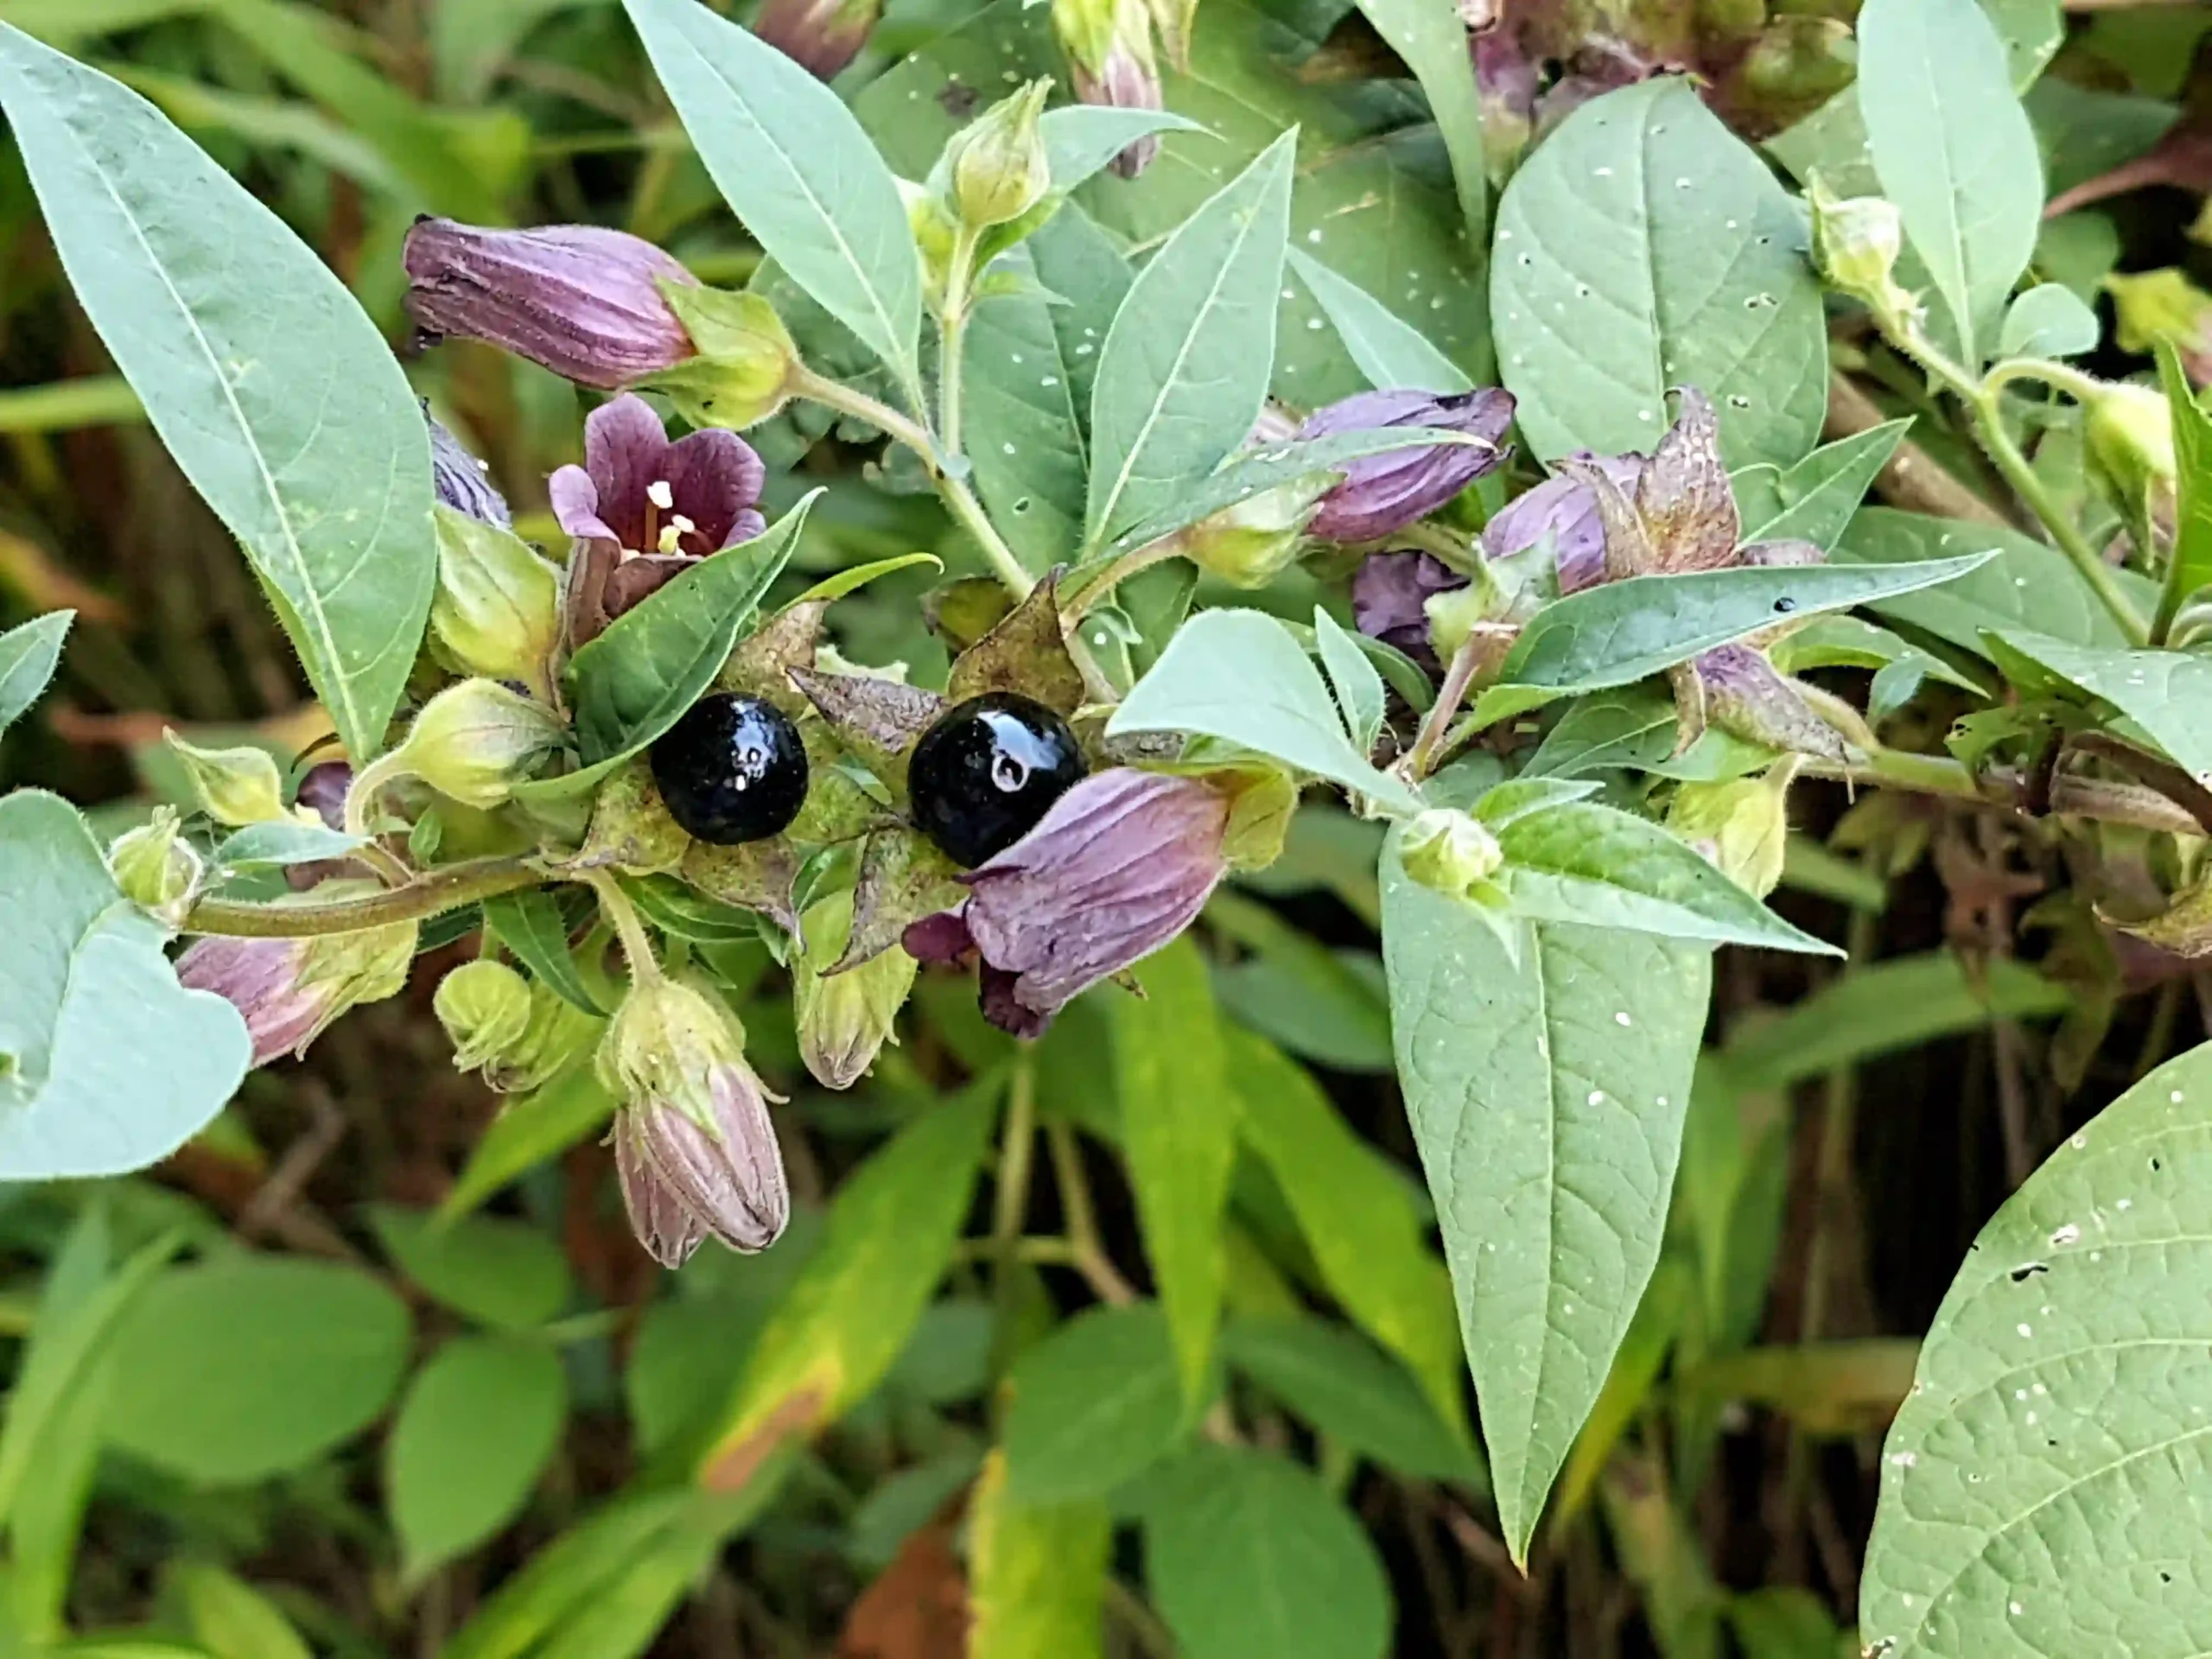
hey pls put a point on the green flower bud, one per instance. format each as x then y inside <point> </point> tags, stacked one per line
<point>559,1035</point>
<point>998,165</point>
<point>496,610</point>
<point>746,369</point>
<point>1444,849</point>
<point>485,1007</point>
<point>473,741</point>
<point>1254,541</point>
<point>234,786</point>
<point>1856,244</point>
<point>1741,827</point>
<point>844,1019</point>
<point>930,217</point>
<point>2155,305</point>
<point>2129,435</point>
<point>156,867</point>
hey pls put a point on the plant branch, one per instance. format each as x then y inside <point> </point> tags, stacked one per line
<point>629,927</point>
<point>1430,739</point>
<point>427,895</point>
<point>2072,795</point>
<point>1087,1254</point>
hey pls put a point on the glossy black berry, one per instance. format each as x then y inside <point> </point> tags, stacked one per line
<point>733,769</point>
<point>982,776</point>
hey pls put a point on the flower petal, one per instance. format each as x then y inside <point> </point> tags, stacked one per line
<point>1687,508</point>
<point>575,504</point>
<point>626,452</point>
<point>1388,592</point>
<point>716,476</point>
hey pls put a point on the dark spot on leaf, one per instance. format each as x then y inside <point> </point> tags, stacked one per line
<point>1785,603</point>
<point>958,100</point>
<point>2156,1165</point>
<point>2021,1274</point>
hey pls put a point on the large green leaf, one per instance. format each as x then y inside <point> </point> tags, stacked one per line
<point>2167,693</point>
<point>1185,367</point>
<point>1953,150</point>
<point>2028,584</point>
<point>1641,247</point>
<point>526,1133</point>
<point>2192,549</point>
<point>795,165</point>
<point>106,1063</point>
<point>1390,352</point>
<point>1814,501</point>
<point>1360,1218</point>
<point>1037,1574</point>
<point>251,1366</point>
<point>1178,1133</point>
<point>1352,1393</point>
<point>1238,676</point>
<point>1432,40</point>
<point>1621,631</point>
<point>1637,725</point>
<point>634,682</point>
<point>277,396</point>
<point>1095,1404</point>
<point>504,1274</point>
<point>1581,862</point>
<point>476,1429</point>
<point>888,1240</point>
<point>2042,1486</point>
<point>1247,1554</point>
<point>1547,1096</point>
<point>29,655</point>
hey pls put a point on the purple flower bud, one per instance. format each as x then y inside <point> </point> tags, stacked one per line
<point>1120,864</point>
<point>1386,493</point>
<point>1565,508</point>
<point>694,1146</point>
<point>1390,592</point>
<point>821,37</point>
<point>1109,44</point>
<point>642,508</point>
<point>1127,81</point>
<point>289,991</point>
<point>462,483</point>
<point>1745,696</point>
<point>580,300</point>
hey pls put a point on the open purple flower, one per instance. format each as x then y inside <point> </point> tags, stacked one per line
<point>1389,594</point>
<point>1384,493</point>
<point>580,300</point>
<point>642,508</point>
<point>1120,864</point>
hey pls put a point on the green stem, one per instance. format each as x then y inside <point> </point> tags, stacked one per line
<point>953,330</point>
<point>427,895</point>
<point>67,405</point>
<point>1432,741</point>
<point>1980,397</point>
<point>959,500</point>
<point>629,927</point>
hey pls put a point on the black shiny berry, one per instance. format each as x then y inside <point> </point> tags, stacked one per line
<point>733,769</point>
<point>982,776</point>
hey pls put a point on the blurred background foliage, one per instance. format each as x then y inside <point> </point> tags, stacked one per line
<point>371,1369</point>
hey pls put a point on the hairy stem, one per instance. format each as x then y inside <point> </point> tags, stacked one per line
<point>629,927</point>
<point>427,895</point>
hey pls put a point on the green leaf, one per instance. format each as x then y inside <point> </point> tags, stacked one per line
<point>1081,138</point>
<point>527,1133</point>
<point>251,1366</point>
<point>1237,676</point>
<point>2041,1486</point>
<point>278,396</point>
<point>1351,1392</point>
<point>855,577</point>
<point>2048,321</point>
<point>889,1237</point>
<point>1641,247</point>
<point>505,1274</point>
<point>280,842</point>
<point>1037,1576</point>
<point>1547,1098</point>
<point>1178,1134</point>
<point>1390,352</point>
<point>1886,1006</point>
<point>1635,727</point>
<point>794,164</point>
<point>1185,367</point>
<point>1359,691</point>
<point>1094,1405</point>
<point>1324,1004</point>
<point>2167,693</point>
<point>2192,549</point>
<point>1025,427</point>
<point>29,655</point>
<point>1814,500</point>
<point>635,681</point>
<point>1432,40</point>
<point>1358,1212</point>
<point>478,1426</point>
<point>1580,861</point>
<point>2027,584</point>
<point>533,925</point>
<point>228,1618</point>
<point>1247,1554</point>
<point>106,1063</point>
<point>1953,150</point>
<point>1621,631</point>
